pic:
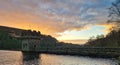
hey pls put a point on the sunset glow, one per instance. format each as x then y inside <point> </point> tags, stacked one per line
<point>73,21</point>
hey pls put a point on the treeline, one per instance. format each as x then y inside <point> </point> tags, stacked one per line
<point>111,40</point>
<point>9,40</point>
<point>30,33</point>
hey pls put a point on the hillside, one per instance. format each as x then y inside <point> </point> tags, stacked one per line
<point>8,40</point>
<point>111,40</point>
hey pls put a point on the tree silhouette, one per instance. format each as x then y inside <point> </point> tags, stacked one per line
<point>114,14</point>
<point>114,11</point>
<point>112,39</point>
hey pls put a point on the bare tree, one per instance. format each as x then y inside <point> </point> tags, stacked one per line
<point>114,13</point>
<point>114,10</point>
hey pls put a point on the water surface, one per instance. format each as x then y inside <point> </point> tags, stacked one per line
<point>17,58</point>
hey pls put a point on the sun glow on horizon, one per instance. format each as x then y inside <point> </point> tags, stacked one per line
<point>70,20</point>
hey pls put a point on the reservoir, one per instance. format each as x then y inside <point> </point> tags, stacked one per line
<point>18,58</point>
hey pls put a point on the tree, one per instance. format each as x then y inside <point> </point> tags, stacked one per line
<point>99,36</point>
<point>39,32</point>
<point>112,39</point>
<point>91,38</point>
<point>114,10</point>
<point>114,13</point>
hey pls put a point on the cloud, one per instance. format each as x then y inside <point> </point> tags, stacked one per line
<point>108,27</point>
<point>53,16</point>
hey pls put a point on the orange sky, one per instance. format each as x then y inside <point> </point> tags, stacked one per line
<point>70,24</point>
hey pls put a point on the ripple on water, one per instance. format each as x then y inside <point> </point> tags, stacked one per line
<point>16,58</point>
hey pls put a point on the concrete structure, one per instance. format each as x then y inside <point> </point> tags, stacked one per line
<point>30,43</point>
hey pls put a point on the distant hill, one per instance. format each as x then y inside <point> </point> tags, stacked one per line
<point>111,40</point>
<point>11,30</point>
<point>8,34</point>
<point>8,41</point>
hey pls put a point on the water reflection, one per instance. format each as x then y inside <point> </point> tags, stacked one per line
<point>10,57</point>
<point>51,59</point>
<point>19,58</point>
<point>31,59</point>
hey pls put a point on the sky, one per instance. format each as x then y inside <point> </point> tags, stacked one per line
<point>73,21</point>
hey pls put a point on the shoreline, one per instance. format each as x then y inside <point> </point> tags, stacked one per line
<point>99,55</point>
<point>70,54</point>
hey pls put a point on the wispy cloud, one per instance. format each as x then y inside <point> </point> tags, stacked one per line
<point>108,27</point>
<point>53,16</point>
